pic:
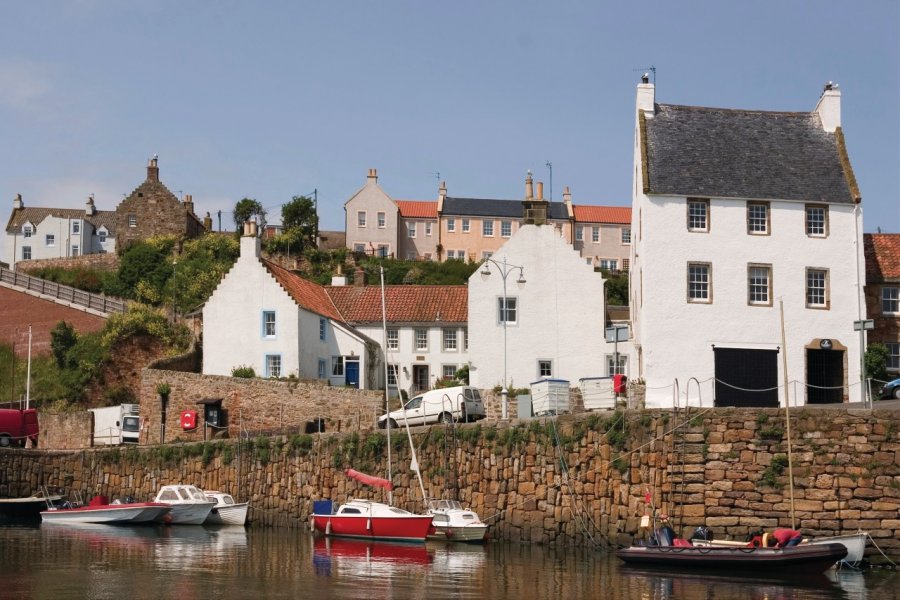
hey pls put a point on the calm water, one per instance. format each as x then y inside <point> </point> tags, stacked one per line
<point>56,561</point>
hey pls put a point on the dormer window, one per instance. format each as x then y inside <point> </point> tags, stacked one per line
<point>27,230</point>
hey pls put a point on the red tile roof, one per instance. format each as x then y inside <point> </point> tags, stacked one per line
<point>403,303</point>
<point>306,294</point>
<point>882,252</point>
<point>417,209</point>
<point>602,214</point>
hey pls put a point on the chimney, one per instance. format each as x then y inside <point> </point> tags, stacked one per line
<point>359,277</point>
<point>90,210</point>
<point>18,202</point>
<point>189,203</point>
<point>529,194</point>
<point>646,96</point>
<point>567,200</point>
<point>442,194</point>
<point>829,107</point>
<point>152,170</point>
<point>207,222</point>
<point>338,279</point>
<point>250,243</point>
<point>372,176</point>
<point>540,190</point>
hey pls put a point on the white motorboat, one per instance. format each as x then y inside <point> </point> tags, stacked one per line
<point>189,505</point>
<point>226,511</point>
<point>854,542</point>
<point>99,510</point>
<point>454,523</point>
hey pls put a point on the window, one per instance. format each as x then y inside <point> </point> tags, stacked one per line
<point>487,228</point>
<point>698,215</point>
<point>26,252</point>
<point>323,368</point>
<point>507,315</point>
<point>448,371</point>
<point>101,235</point>
<point>392,373</point>
<point>337,366</point>
<point>451,225</point>
<point>411,255</point>
<point>545,368</point>
<point>421,339</point>
<point>486,254</point>
<point>383,250</point>
<point>893,362</point>
<point>76,226</point>
<point>75,250</point>
<point>451,254</point>
<point>626,264</point>
<point>699,282</point>
<point>428,225</point>
<point>359,247</point>
<point>816,220</point>
<point>381,220</point>
<point>626,235</point>
<point>759,282</point>
<point>428,256</point>
<point>361,218</point>
<point>50,239</point>
<point>890,299</point>
<point>411,229</point>
<point>609,264</point>
<point>816,288</point>
<point>465,226</point>
<point>273,365</point>
<point>506,228</point>
<point>450,339</point>
<point>393,338</point>
<point>589,261</point>
<point>268,319</point>
<point>27,231</point>
<point>465,339</point>
<point>132,220</point>
<point>758,218</point>
<point>579,234</point>
<point>323,329</point>
<point>616,369</point>
<point>461,254</point>
<point>595,234</point>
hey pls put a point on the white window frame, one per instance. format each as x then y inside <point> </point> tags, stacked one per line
<point>893,362</point>
<point>817,288</point>
<point>609,264</point>
<point>816,227</point>
<point>612,368</point>
<point>359,247</point>
<point>465,339</point>
<point>447,368</point>
<point>505,229</point>
<point>27,231</point>
<point>451,225</point>
<point>411,229</point>
<point>26,252</point>
<point>579,234</point>
<point>466,225</point>
<point>393,338</point>
<point>428,227</point>
<point>76,226</point>
<point>382,219</point>
<point>698,215</point>
<point>758,218</point>
<point>450,339</point>
<point>323,369</point>
<point>393,375</point>
<point>699,283</point>
<point>76,250</point>
<point>544,367</point>
<point>754,285</point>
<point>512,310</point>
<point>626,235</point>
<point>337,366</point>
<point>50,240</point>
<point>132,220</point>
<point>487,228</point>
<point>595,234</point>
<point>890,300</point>
<point>273,366</point>
<point>420,339</point>
<point>361,218</point>
<point>451,254</point>
<point>101,236</point>
<point>269,324</point>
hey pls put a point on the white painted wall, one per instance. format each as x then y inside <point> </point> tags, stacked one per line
<point>561,313</point>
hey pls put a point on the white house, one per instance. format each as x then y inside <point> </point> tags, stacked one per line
<point>555,313</point>
<point>265,317</point>
<point>737,213</point>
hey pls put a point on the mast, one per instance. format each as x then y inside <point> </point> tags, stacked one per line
<point>787,413</point>
<point>387,400</point>
<point>28,375</point>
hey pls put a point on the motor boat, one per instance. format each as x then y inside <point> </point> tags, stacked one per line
<point>226,511</point>
<point>29,507</point>
<point>454,523</point>
<point>855,543</point>
<point>365,519</point>
<point>189,505</point>
<point>100,510</point>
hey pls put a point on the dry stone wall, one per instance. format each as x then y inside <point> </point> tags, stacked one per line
<point>575,480</point>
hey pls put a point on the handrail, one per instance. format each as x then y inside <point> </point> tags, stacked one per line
<point>65,293</point>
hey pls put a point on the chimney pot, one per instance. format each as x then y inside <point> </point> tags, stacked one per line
<point>540,190</point>
<point>529,193</point>
<point>645,78</point>
<point>17,202</point>
<point>152,170</point>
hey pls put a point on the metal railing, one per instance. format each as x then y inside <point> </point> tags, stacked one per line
<point>63,293</point>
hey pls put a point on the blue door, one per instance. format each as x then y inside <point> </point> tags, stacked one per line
<point>351,373</point>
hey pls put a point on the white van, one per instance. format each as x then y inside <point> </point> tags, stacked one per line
<point>462,403</point>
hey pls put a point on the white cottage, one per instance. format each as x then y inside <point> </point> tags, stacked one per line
<point>554,317</point>
<point>736,213</point>
<point>265,317</point>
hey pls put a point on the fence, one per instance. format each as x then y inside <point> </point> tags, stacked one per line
<point>63,293</point>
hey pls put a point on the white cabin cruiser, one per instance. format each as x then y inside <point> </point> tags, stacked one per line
<point>226,511</point>
<point>189,505</point>
<point>454,523</point>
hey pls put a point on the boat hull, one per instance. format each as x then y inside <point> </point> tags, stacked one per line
<point>188,514</point>
<point>26,507</point>
<point>110,513</point>
<point>466,533</point>
<point>229,514</point>
<point>400,528</point>
<point>855,544</point>
<point>796,559</point>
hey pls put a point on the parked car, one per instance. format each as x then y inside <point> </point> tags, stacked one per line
<point>461,404</point>
<point>891,390</point>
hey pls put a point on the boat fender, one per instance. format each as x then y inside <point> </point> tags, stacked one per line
<point>765,540</point>
<point>369,524</point>
<point>449,533</point>
<point>328,527</point>
<point>312,524</point>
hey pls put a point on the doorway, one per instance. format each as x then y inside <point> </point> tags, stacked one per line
<point>351,373</point>
<point>746,377</point>
<point>420,378</point>
<point>824,376</point>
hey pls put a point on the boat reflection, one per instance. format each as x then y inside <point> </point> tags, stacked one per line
<point>333,556</point>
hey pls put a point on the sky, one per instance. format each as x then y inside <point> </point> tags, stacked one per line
<point>271,99</point>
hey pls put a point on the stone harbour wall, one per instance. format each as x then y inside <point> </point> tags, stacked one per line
<point>573,480</point>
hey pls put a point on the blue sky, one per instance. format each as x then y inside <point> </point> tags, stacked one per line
<point>274,99</point>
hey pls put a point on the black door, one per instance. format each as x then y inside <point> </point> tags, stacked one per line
<point>746,377</point>
<point>824,376</point>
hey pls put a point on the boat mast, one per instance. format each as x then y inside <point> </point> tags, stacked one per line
<point>787,412</point>
<point>28,376</point>
<point>387,397</point>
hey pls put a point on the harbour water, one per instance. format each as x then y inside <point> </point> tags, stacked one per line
<point>58,561</point>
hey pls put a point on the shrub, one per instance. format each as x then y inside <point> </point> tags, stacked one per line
<point>120,394</point>
<point>243,371</point>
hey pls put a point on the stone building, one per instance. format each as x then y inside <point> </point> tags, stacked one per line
<point>883,292</point>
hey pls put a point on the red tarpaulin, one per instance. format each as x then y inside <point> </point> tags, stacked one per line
<point>370,479</point>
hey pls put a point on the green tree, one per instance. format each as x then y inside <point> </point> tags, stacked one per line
<point>144,269</point>
<point>199,269</point>
<point>62,337</point>
<point>246,208</point>
<point>876,360</point>
<point>616,288</point>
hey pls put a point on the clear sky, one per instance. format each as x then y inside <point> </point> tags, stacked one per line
<point>270,99</point>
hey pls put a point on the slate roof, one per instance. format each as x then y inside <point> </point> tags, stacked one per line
<point>511,209</point>
<point>36,214</point>
<point>620,215</point>
<point>306,294</point>
<point>417,209</point>
<point>403,303</point>
<point>723,153</point>
<point>882,251</point>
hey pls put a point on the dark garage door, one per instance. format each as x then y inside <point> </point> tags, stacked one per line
<point>746,377</point>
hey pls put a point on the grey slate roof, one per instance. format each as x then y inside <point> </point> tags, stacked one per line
<point>36,214</point>
<point>510,209</point>
<point>723,153</point>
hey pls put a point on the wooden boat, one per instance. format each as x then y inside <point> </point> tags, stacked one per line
<point>100,510</point>
<point>189,505</point>
<point>454,523</point>
<point>795,559</point>
<point>226,511</point>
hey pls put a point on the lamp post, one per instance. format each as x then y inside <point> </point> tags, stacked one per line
<point>505,269</point>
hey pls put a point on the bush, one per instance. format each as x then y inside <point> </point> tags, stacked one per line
<point>243,371</point>
<point>120,394</point>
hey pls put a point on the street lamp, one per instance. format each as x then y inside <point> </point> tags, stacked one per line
<point>505,269</point>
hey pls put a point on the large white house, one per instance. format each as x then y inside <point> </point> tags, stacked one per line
<point>554,318</point>
<point>737,213</point>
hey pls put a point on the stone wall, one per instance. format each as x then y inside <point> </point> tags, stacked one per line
<point>65,431</point>
<point>101,262</point>
<point>576,480</point>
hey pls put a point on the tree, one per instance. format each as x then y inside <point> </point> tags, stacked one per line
<point>876,359</point>
<point>246,208</point>
<point>62,337</point>
<point>616,288</point>
<point>300,222</point>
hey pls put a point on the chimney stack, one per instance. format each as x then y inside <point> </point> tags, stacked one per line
<point>829,107</point>
<point>250,243</point>
<point>529,194</point>
<point>646,96</point>
<point>90,210</point>
<point>372,177</point>
<point>442,195</point>
<point>207,222</point>
<point>359,277</point>
<point>540,190</point>
<point>152,170</point>
<point>189,203</point>
<point>567,200</point>
<point>18,202</point>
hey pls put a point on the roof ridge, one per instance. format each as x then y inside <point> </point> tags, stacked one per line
<point>738,110</point>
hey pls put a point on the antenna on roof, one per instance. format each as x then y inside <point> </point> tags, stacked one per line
<point>437,175</point>
<point>651,69</point>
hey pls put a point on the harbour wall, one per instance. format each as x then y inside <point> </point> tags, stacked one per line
<point>573,480</point>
